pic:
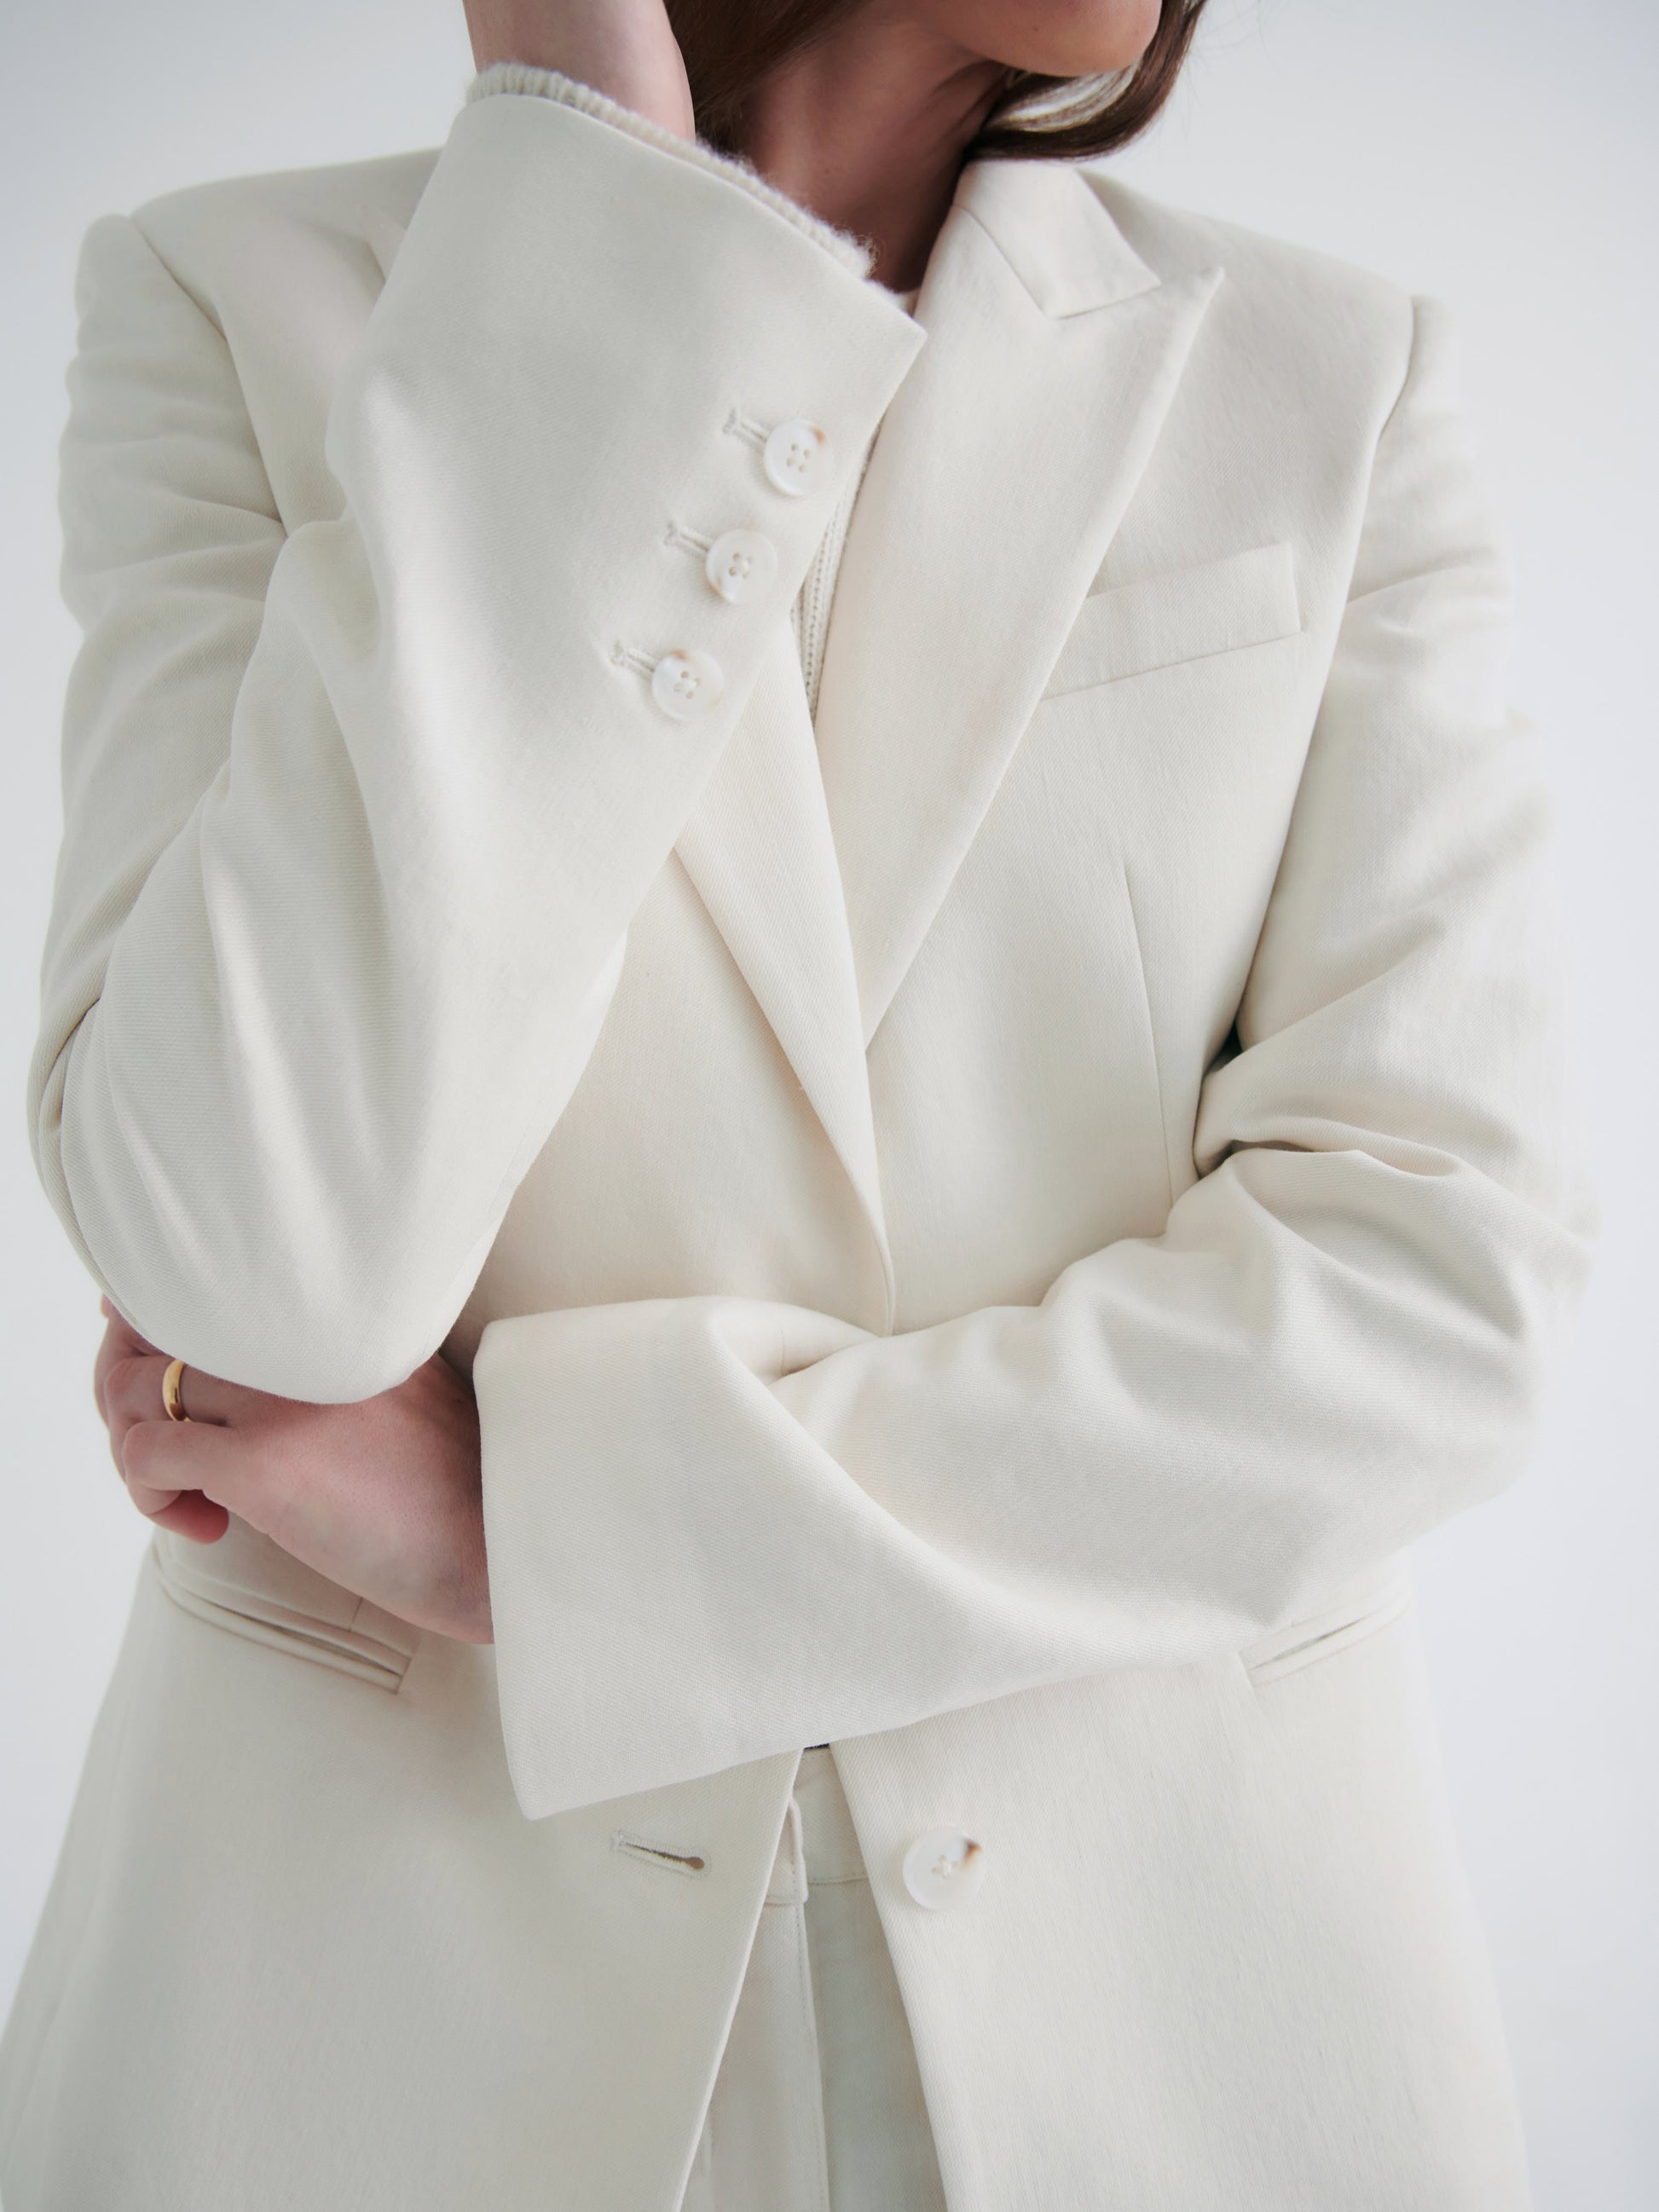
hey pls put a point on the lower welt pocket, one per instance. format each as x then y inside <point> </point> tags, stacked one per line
<point>247,1586</point>
<point>1371,1603</point>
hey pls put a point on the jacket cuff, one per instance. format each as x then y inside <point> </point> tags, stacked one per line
<point>520,78</point>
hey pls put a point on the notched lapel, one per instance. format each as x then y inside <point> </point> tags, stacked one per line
<point>758,847</point>
<point>1002,469</point>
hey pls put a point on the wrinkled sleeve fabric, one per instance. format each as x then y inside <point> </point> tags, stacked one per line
<point>357,813</point>
<point>719,1528</point>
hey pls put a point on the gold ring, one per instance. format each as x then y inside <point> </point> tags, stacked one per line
<point>173,1390</point>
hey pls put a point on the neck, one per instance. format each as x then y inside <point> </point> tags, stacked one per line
<point>867,129</point>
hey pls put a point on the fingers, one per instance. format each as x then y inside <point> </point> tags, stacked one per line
<point>129,1388</point>
<point>131,1391</point>
<point>185,1475</point>
<point>192,1515</point>
<point>113,1314</point>
<point>120,1341</point>
<point>121,1345</point>
<point>169,1466</point>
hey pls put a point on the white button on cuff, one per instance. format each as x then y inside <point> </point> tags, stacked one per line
<point>741,564</point>
<point>944,1867</point>
<point>687,684</point>
<point>797,456</point>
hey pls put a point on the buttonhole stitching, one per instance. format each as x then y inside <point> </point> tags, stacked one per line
<point>737,425</point>
<point>686,1862</point>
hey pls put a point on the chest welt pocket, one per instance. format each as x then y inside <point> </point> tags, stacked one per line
<point>250,1587</point>
<point>1179,615</point>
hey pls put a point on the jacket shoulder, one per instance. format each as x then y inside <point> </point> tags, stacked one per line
<point>214,234</point>
<point>1175,239</point>
<point>250,294</point>
<point>392,183</point>
<point>1290,325</point>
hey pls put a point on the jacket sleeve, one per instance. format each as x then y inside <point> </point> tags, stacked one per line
<point>720,1528</point>
<point>357,814</point>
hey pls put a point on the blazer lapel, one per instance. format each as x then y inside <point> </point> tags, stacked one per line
<point>758,847</point>
<point>1003,467</point>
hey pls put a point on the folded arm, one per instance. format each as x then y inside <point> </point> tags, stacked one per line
<point>359,804</point>
<point>719,1528</point>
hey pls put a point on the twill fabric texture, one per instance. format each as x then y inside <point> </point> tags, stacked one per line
<point>984,1221</point>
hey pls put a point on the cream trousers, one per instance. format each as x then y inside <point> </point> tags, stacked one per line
<point>817,2107</point>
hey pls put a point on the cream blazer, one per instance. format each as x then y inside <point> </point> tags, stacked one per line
<point>978,1239</point>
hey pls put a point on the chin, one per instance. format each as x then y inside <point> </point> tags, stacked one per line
<point>1051,38</point>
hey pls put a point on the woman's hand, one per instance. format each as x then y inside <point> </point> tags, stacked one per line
<point>624,48</point>
<point>384,1498</point>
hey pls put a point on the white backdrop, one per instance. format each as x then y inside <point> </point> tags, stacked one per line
<point>1498,154</point>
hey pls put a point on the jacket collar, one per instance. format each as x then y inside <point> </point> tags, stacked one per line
<point>1003,467</point>
<point>1051,227</point>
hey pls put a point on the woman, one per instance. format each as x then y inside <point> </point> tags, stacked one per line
<point>784,1291</point>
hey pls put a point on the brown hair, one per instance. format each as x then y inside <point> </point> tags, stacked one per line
<point>730,45</point>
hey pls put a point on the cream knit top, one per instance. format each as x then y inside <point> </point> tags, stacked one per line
<point>811,612</point>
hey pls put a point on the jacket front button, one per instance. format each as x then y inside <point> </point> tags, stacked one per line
<point>687,684</point>
<point>797,456</point>
<point>741,563</point>
<point>944,1866</point>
